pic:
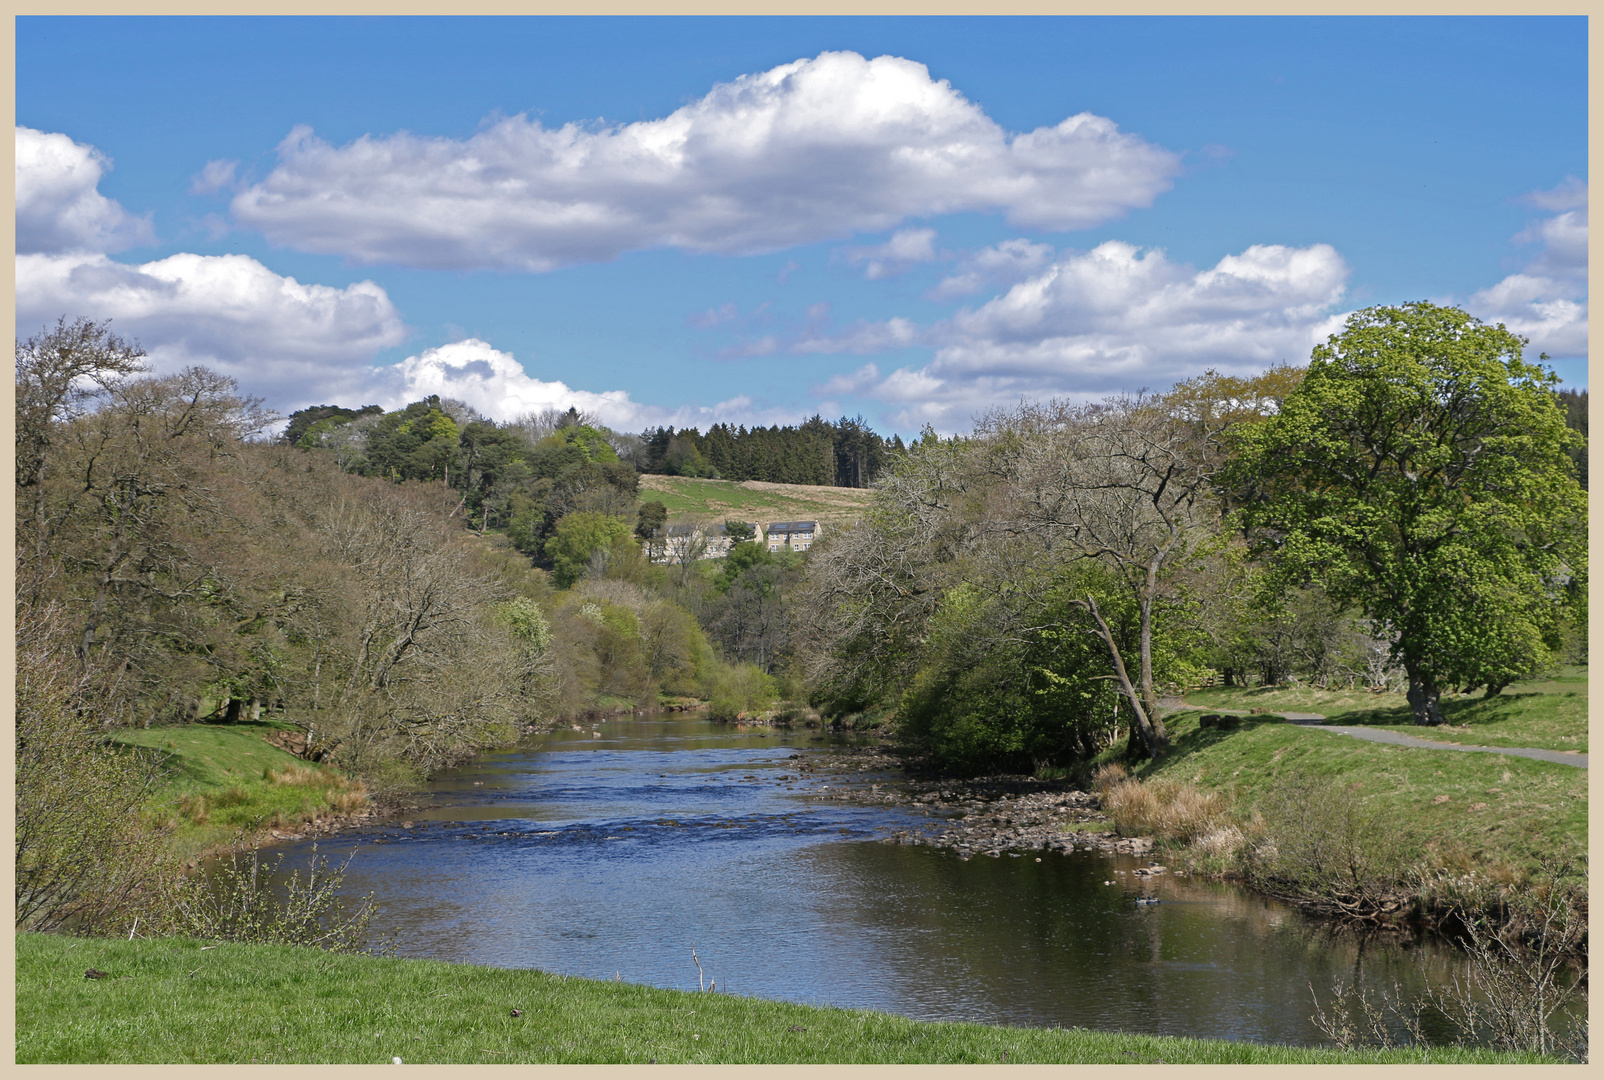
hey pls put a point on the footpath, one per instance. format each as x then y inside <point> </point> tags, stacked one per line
<point>1398,738</point>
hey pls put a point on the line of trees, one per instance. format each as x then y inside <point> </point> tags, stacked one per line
<point>1404,510</point>
<point>845,453</point>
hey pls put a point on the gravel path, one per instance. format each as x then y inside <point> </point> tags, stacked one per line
<point>1398,738</point>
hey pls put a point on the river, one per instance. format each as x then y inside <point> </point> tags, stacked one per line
<point>615,855</point>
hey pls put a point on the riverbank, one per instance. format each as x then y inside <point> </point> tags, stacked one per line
<point>230,787</point>
<point>177,1000</point>
<point>1480,830</point>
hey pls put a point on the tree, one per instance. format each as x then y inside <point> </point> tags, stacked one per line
<point>83,856</point>
<point>649,525</point>
<point>578,535</point>
<point>1420,473</point>
<point>1124,483</point>
<point>62,375</point>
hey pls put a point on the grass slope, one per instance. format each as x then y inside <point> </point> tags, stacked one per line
<point>167,1000</point>
<point>222,780</point>
<point>753,500</point>
<point>1549,712</point>
<point>1497,814</point>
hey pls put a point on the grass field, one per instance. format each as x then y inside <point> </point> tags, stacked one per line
<point>175,1000</point>
<point>1549,712</point>
<point>222,780</point>
<point>1498,815</point>
<point>752,500</point>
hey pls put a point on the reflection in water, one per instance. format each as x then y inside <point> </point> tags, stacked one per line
<point>611,857</point>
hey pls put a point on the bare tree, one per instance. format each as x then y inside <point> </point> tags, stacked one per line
<point>62,375</point>
<point>1123,482</point>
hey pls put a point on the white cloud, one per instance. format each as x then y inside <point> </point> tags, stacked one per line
<point>905,249</point>
<point>281,339</point>
<point>1110,319</point>
<point>808,151</point>
<point>497,385</point>
<point>1569,195</point>
<point>1546,302</point>
<point>862,337</point>
<point>1000,265</point>
<point>216,176</point>
<point>59,206</point>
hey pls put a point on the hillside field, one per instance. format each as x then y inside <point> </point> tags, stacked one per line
<point>690,499</point>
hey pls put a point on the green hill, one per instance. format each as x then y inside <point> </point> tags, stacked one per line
<point>754,500</point>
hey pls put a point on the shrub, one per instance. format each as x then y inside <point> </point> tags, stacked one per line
<point>733,689</point>
<point>85,858</point>
<point>239,903</point>
<point>1325,845</point>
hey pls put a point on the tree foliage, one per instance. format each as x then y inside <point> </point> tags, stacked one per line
<point>1421,473</point>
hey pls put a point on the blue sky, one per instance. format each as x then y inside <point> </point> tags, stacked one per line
<point>683,220</point>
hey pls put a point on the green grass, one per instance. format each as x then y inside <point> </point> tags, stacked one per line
<point>1549,712</point>
<point>1502,815</point>
<point>215,785</point>
<point>690,497</point>
<point>170,1001</point>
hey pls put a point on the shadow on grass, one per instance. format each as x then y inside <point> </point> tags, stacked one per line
<point>1474,712</point>
<point>1199,739</point>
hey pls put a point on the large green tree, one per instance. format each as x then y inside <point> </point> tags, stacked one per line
<point>1420,473</point>
<point>578,536</point>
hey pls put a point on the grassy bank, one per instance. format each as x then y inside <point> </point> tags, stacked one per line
<point>223,784</point>
<point>1479,827</point>
<point>1549,712</point>
<point>174,1001</point>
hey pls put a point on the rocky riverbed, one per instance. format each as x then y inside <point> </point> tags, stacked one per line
<point>995,815</point>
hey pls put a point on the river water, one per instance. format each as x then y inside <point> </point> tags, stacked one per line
<point>615,855</point>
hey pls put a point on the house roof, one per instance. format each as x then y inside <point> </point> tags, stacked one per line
<point>793,526</point>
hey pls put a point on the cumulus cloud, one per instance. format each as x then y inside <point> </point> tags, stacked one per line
<point>497,385</point>
<point>906,249</point>
<point>1113,318</point>
<point>59,205</point>
<point>281,339</point>
<point>1546,302</point>
<point>998,266</point>
<point>808,151</point>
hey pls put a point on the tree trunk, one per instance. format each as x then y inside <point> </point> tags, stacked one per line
<point>1154,738</point>
<point>1423,694</point>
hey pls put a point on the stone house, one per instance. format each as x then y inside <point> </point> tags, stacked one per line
<point>792,535</point>
<point>715,540</point>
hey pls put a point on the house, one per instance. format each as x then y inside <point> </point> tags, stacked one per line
<point>701,541</point>
<point>792,535</point>
<point>719,540</point>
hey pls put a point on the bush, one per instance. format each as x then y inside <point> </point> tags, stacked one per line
<point>239,903</point>
<point>86,859</point>
<point>1325,846</point>
<point>733,689</point>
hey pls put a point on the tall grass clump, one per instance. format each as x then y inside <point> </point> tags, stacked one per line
<point>1166,809</point>
<point>341,794</point>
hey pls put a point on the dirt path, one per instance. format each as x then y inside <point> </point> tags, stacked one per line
<point>1398,738</point>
